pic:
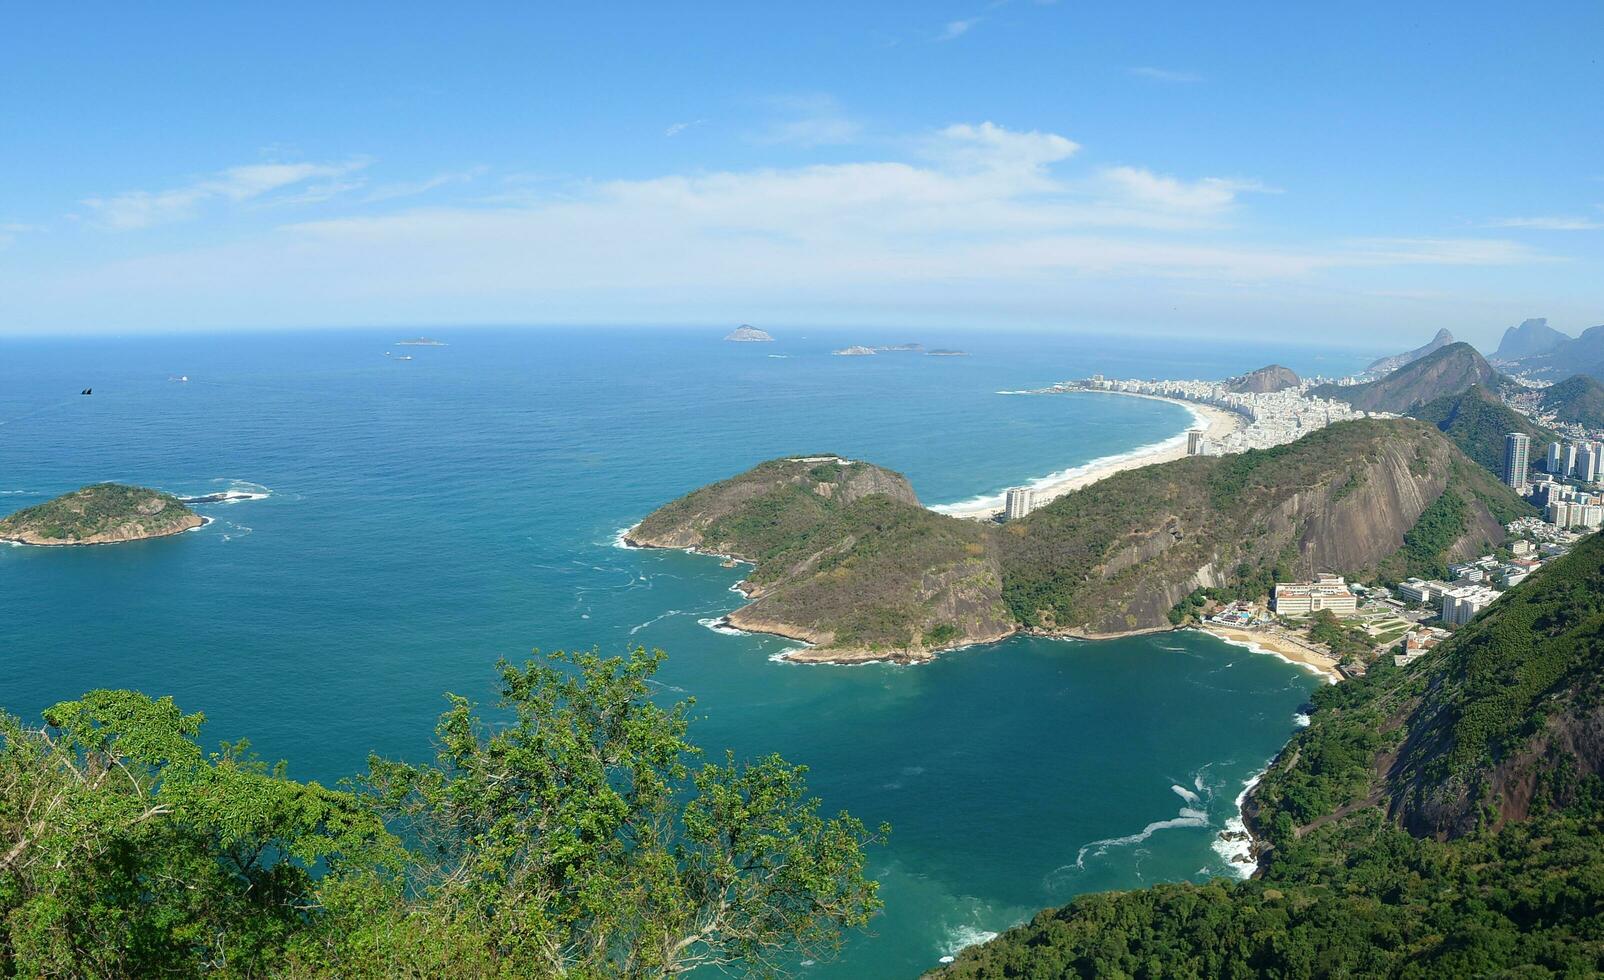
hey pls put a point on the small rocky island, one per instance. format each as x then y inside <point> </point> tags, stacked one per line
<point>857,350</point>
<point>420,342</point>
<point>105,513</point>
<point>748,334</point>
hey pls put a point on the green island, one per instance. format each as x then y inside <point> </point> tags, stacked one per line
<point>575,831</point>
<point>104,513</point>
<point>845,558</point>
<point>1440,819</point>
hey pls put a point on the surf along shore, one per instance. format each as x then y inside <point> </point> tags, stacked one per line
<point>1217,423</point>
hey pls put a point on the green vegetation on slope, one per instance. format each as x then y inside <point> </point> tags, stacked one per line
<point>1446,371</point>
<point>1477,421</point>
<point>1486,743</point>
<point>1578,399</point>
<point>576,834</point>
<point>104,510</point>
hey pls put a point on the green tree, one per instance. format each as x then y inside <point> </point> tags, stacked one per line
<point>578,840</point>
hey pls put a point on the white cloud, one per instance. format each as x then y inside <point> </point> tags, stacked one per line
<point>131,210</point>
<point>413,188</point>
<point>811,121</point>
<point>1204,196</point>
<point>677,128</point>
<point>981,215</point>
<point>1549,223</point>
<point>957,28</point>
<point>1166,75</point>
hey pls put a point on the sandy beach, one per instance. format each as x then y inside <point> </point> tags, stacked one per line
<point>1280,644</point>
<point>1216,423</point>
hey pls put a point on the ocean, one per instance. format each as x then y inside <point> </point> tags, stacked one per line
<point>412,521</point>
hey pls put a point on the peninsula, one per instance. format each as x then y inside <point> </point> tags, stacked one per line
<point>846,559</point>
<point>105,513</point>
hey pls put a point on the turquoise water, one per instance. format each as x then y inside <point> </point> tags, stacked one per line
<point>423,518</point>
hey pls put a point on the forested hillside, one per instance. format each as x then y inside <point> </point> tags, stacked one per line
<point>1445,819</point>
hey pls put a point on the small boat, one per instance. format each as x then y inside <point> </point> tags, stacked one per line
<point>87,391</point>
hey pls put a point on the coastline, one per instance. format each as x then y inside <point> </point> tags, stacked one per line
<point>1216,423</point>
<point>1276,646</point>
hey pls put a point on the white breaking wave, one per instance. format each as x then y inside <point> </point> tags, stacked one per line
<point>1188,817</point>
<point>1301,720</point>
<point>718,625</point>
<point>1255,648</point>
<point>1238,853</point>
<point>617,540</point>
<point>637,629</point>
<point>1185,794</point>
<point>963,937</point>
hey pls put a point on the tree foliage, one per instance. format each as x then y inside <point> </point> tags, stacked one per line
<point>577,835</point>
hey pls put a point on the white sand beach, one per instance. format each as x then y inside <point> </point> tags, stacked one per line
<point>1217,423</point>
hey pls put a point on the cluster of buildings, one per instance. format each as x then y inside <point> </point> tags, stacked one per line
<point>1273,418</point>
<point>1577,460</point>
<point>1476,584</point>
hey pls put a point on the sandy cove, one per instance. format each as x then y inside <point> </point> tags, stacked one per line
<point>1217,423</point>
<point>1279,643</point>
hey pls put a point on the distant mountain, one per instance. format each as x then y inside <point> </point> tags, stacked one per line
<point>1584,355</point>
<point>1477,420</point>
<point>1533,336</point>
<point>1446,371</point>
<point>1578,399</point>
<point>1272,377</point>
<point>1387,365</point>
<point>746,333</point>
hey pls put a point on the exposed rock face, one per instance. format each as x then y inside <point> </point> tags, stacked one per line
<point>1533,336</point>
<point>1387,365</point>
<point>748,334</point>
<point>1120,554</point>
<point>1584,355</point>
<point>1272,377</point>
<point>1448,371</point>
<point>105,513</point>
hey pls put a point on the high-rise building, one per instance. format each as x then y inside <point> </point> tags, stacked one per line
<point>1517,449</point>
<point>1018,503</point>
<point>1559,513</point>
<point>1561,459</point>
<point>1587,462</point>
<point>1195,445</point>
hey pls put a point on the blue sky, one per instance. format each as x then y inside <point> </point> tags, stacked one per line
<point>1357,171</point>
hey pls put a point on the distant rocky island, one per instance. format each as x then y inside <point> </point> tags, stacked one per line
<point>748,334</point>
<point>846,559</point>
<point>857,350</point>
<point>946,352</point>
<point>420,342</point>
<point>105,513</point>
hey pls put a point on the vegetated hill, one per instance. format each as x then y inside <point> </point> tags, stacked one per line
<point>1578,399</point>
<point>1386,365</point>
<point>100,514</point>
<point>1584,355</point>
<point>1272,377</point>
<point>1370,496</point>
<point>1477,421</point>
<point>1533,336</point>
<point>846,559</point>
<point>1444,819</point>
<point>1446,371</point>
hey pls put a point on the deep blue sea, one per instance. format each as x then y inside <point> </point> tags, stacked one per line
<point>423,518</point>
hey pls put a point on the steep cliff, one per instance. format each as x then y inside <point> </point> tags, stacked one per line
<point>1532,336</point>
